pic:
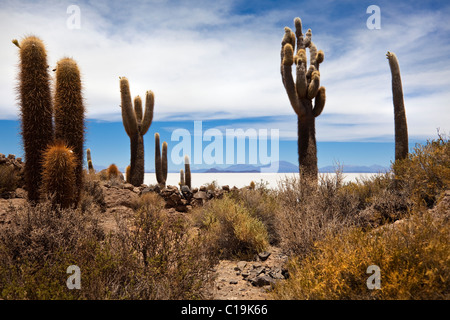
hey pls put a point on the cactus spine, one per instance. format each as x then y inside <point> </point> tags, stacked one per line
<point>69,113</point>
<point>35,109</point>
<point>160,162</point>
<point>187,171</point>
<point>401,128</point>
<point>302,92</point>
<point>136,125</point>
<point>58,176</point>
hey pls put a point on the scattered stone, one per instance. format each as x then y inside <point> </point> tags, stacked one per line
<point>240,266</point>
<point>234,281</point>
<point>262,280</point>
<point>264,255</point>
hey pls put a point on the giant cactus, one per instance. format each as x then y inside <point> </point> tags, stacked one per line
<point>35,110</point>
<point>136,125</point>
<point>160,162</point>
<point>302,92</point>
<point>69,113</point>
<point>401,128</point>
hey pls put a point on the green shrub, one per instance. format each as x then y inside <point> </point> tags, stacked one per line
<point>232,231</point>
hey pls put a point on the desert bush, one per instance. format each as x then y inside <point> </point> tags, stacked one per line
<point>8,179</point>
<point>231,230</point>
<point>412,257</point>
<point>262,204</point>
<point>150,256</point>
<point>426,172</point>
<point>305,213</point>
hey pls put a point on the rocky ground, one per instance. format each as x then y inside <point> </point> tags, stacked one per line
<point>234,279</point>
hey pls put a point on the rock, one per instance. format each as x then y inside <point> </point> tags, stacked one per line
<point>264,255</point>
<point>203,188</point>
<point>128,186</point>
<point>240,266</point>
<point>262,280</point>
<point>115,197</point>
<point>226,188</point>
<point>200,195</point>
<point>234,281</point>
<point>186,192</point>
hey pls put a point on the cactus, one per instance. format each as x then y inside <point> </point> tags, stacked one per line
<point>58,176</point>
<point>69,112</point>
<point>302,92</point>
<point>127,173</point>
<point>35,110</point>
<point>89,161</point>
<point>187,171</point>
<point>160,162</point>
<point>112,172</point>
<point>136,126</point>
<point>182,182</point>
<point>401,128</point>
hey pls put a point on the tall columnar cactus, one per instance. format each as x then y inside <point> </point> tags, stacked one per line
<point>69,113</point>
<point>136,125</point>
<point>401,128</point>
<point>89,161</point>
<point>305,94</point>
<point>58,176</point>
<point>35,110</point>
<point>160,162</point>
<point>187,171</point>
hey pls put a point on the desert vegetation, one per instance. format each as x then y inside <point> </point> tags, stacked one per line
<point>134,241</point>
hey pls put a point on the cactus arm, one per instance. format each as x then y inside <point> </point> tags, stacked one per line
<point>301,83</point>
<point>148,116</point>
<point>128,114</point>
<point>314,86</point>
<point>319,103</point>
<point>138,109</point>
<point>288,81</point>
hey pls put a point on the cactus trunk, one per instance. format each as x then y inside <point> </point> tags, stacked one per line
<point>160,162</point>
<point>187,171</point>
<point>307,151</point>
<point>35,109</point>
<point>137,160</point>
<point>401,128</point>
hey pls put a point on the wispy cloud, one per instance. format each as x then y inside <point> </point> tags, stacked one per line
<point>211,60</point>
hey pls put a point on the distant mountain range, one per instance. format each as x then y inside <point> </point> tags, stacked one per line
<point>283,167</point>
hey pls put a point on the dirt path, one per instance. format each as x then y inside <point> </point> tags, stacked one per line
<point>249,280</point>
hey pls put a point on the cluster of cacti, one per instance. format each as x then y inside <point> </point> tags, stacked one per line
<point>35,109</point>
<point>160,162</point>
<point>37,124</point>
<point>136,125</point>
<point>401,128</point>
<point>185,176</point>
<point>302,92</point>
<point>58,176</point>
<point>89,161</point>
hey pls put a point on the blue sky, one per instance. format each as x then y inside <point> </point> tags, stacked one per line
<point>218,62</point>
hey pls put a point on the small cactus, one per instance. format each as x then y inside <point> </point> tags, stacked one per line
<point>127,173</point>
<point>187,171</point>
<point>89,162</point>
<point>36,110</point>
<point>182,182</point>
<point>160,162</point>
<point>112,172</point>
<point>58,176</point>
<point>136,125</point>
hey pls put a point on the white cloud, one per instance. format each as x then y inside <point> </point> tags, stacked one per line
<point>201,60</point>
